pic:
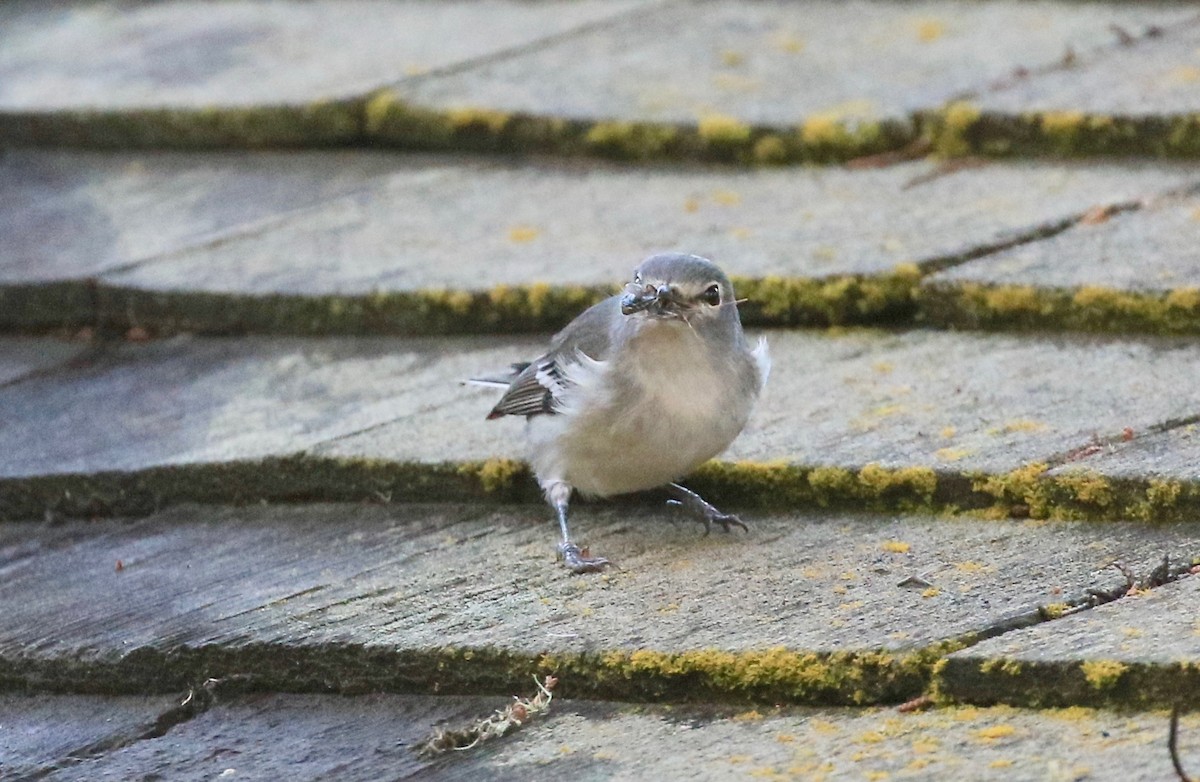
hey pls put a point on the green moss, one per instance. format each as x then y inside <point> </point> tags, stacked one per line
<point>830,301</point>
<point>1027,491</point>
<point>1086,308</point>
<point>318,123</point>
<point>496,475</point>
<point>1053,610</point>
<point>962,129</point>
<point>720,129</point>
<point>949,131</point>
<point>875,299</point>
<point>1000,665</point>
<point>631,140</point>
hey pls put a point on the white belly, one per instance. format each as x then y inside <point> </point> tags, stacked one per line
<point>662,413</point>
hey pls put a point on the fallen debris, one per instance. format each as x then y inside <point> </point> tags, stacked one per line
<point>498,724</point>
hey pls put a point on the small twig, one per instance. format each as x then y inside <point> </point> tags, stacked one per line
<point>1173,745</point>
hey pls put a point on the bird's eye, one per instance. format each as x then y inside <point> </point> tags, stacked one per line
<point>637,278</point>
<point>711,295</point>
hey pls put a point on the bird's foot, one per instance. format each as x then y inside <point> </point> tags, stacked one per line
<point>704,511</point>
<point>578,561</point>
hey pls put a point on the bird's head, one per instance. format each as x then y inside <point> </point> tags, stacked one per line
<point>681,287</point>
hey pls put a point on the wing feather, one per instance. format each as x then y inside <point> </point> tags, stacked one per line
<point>538,387</point>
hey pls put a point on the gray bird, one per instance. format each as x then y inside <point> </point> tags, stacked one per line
<point>638,391</point>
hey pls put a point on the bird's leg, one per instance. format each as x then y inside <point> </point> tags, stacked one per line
<point>696,505</point>
<point>573,557</point>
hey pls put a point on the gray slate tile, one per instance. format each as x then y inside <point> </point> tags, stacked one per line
<point>106,56</point>
<point>1156,77</point>
<point>38,731</point>
<point>313,737</point>
<point>21,358</point>
<point>258,589</point>
<point>1151,249</point>
<point>955,401</point>
<point>72,215</point>
<point>778,63</point>
<point>320,223</point>
<point>1139,651</point>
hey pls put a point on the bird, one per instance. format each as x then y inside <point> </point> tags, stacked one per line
<point>637,392</point>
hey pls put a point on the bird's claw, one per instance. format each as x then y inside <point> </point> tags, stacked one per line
<point>578,561</point>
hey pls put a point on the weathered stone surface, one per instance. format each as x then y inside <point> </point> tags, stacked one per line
<point>369,738</point>
<point>290,737</point>
<point>99,56</point>
<point>1155,77</point>
<point>368,597</point>
<point>954,401</point>
<point>320,223</point>
<point>187,400</point>
<point>1170,454</point>
<point>1139,651</point>
<point>77,215</point>
<point>20,358</point>
<point>857,62</point>
<point>1149,249</point>
<point>590,224</point>
<point>39,732</point>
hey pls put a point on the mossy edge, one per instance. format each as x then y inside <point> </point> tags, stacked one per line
<point>1030,491</point>
<point>976,305</point>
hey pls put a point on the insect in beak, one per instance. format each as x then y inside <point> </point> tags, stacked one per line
<point>662,296</point>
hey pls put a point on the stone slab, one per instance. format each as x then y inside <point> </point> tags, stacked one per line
<point>950,401</point>
<point>1174,453</point>
<point>84,55</point>
<point>857,62</point>
<point>1156,77</point>
<point>1151,249</point>
<point>962,402</point>
<point>1140,650</point>
<point>295,737</point>
<point>342,222</point>
<point>21,358</point>
<point>470,225</point>
<point>76,215</point>
<point>365,598</point>
<point>40,732</point>
<point>368,738</point>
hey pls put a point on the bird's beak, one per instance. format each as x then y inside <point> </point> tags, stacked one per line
<point>637,301</point>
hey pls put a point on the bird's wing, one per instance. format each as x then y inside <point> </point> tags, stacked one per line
<point>539,386</point>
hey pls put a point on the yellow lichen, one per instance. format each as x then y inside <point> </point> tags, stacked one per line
<point>995,732</point>
<point>1062,127</point>
<point>497,474</point>
<point>1187,299</point>
<point>521,234</point>
<point>769,150</point>
<point>788,43</point>
<point>631,140</point>
<point>466,117</point>
<point>895,546</point>
<point>929,30</point>
<point>827,128</point>
<point>955,123</point>
<point>1087,488</point>
<point>1054,610</point>
<point>723,129</point>
<point>1103,674</point>
<point>377,109</point>
<point>1013,298</point>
